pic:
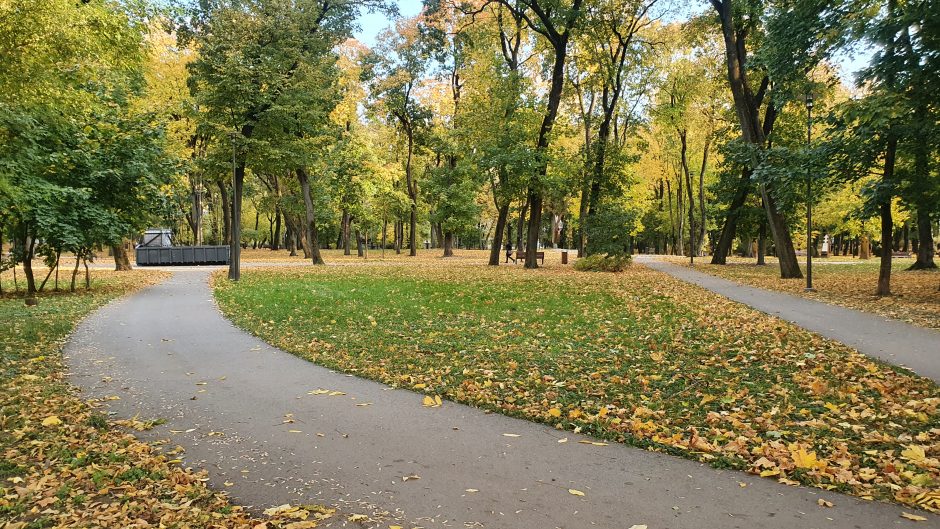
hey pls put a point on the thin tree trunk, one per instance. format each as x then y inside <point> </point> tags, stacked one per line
<point>311,222</point>
<point>276,232</point>
<point>226,214</point>
<point>521,228</point>
<point>51,270</point>
<point>234,270</point>
<point>28,265</point>
<point>74,273</point>
<point>887,224</point>
<point>495,251</point>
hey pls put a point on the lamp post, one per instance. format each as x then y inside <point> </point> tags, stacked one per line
<point>809,196</point>
<point>234,266</point>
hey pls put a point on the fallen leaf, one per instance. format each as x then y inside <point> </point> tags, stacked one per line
<point>51,420</point>
<point>913,517</point>
<point>358,518</point>
<point>575,492</point>
<point>824,503</point>
<point>510,435</point>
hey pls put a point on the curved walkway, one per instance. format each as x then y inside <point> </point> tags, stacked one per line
<point>243,411</point>
<point>895,342</point>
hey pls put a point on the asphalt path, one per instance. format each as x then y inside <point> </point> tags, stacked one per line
<point>258,420</point>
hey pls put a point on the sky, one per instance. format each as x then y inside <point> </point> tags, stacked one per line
<point>372,24</point>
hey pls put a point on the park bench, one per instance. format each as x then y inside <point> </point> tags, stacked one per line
<point>520,256</point>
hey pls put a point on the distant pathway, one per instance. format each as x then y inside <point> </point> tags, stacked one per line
<point>166,352</point>
<point>895,342</point>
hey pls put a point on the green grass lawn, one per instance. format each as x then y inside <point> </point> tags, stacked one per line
<point>637,357</point>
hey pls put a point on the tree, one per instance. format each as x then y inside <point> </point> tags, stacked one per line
<point>252,53</point>
<point>399,64</point>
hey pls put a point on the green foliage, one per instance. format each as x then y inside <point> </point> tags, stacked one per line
<point>603,263</point>
<point>609,230</point>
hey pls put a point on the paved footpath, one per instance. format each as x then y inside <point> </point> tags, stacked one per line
<point>895,342</point>
<point>166,352</point>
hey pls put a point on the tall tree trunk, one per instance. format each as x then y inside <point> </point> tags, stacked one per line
<point>761,242</point>
<point>122,260</point>
<point>753,131</point>
<point>887,223</point>
<point>384,235</point>
<point>74,272</point>
<point>783,244</point>
<point>276,236</point>
<point>496,250</point>
<point>413,231</point>
<point>359,250</point>
<point>226,213</point>
<point>29,244</point>
<point>521,229</point>
<point>234,269</point>
<point>925,248</point>
<point>701,195</point>
<point>729,229</point>
<point>448,244</point>
<point>311,226</point>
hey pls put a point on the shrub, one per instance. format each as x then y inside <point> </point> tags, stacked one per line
<point>603,263</point>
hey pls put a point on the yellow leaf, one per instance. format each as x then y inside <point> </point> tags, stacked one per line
<point>575,492</point>
<point>51,420</point>
<point>358,518</point>
<point>420,386</point>
<point>472,490</point>
<point>554,412</point>
<point>565,440</point>
<point>913,517</point>
<point>804,459</point>
<point>824,503</point>
<point>706,399</point>
<point>510,435</point>
<point>437,400</point>
<point>427,401</point>
<point>914,453</point>
<point>602,413</point>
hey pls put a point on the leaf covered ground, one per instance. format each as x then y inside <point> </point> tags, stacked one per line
<point>847,282</point>
<point>636,357</point>
<point>65,464</point>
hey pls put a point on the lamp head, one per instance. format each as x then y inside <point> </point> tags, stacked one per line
<point>809,101</point>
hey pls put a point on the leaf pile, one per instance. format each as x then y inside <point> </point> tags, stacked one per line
<point>636,357</point>
<point>915,299</point>
<point>62,464</point>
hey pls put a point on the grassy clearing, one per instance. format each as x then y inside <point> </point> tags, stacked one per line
<point>636,357</point>
<point>847,282</point>
<point>63,464</point>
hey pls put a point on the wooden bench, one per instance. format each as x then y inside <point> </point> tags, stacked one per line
<point>520,256</point>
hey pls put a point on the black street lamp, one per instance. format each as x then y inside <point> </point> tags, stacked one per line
<point>809,196</point>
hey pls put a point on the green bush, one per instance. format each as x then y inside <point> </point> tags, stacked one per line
<point>603,263</point>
